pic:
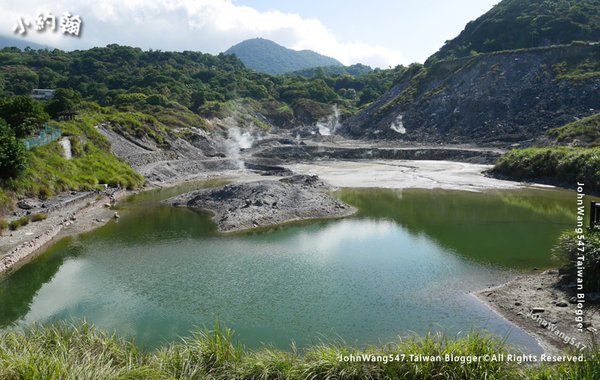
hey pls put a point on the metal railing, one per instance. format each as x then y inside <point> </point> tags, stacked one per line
<point>45,136</point>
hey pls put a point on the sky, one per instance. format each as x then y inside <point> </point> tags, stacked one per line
<point>379,33</point>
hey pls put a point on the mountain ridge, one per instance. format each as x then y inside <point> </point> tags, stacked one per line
<point>268,57</point>
<point>20,43</point>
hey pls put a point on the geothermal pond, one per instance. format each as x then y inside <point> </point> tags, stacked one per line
<point>404,264</point>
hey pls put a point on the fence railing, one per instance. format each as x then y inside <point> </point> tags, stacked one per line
<point>45,136</point>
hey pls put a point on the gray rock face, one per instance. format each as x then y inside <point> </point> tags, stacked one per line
<point>292,153</point>
<point>496,99</point>
<point>27,204</point>
<point>243,206</point>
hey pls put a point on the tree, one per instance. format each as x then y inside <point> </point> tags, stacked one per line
<point>13,156</point>
<point>23,114</point>
<point>64,99</point>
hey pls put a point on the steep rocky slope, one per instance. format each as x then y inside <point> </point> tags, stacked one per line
<point>498,98</point>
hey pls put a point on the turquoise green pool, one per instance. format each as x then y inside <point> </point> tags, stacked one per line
<point>405,263</point>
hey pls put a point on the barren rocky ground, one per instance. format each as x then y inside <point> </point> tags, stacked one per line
<point>242,206</point>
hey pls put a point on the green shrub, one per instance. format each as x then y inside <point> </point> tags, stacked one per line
<point>23,114</point>
<point>561,165</point>
<point>567,250</point>
<point>39,217</point>
<point>13,225</point>
<point>13,156</point>
<point>157,100</point>
<point>23,221</point>
<point>43,193</point>
<point>583,132</point>
<point>3,225</point>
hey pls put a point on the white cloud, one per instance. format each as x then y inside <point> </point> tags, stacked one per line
<point>210,26</point>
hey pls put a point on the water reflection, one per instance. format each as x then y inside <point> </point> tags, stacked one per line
<point>515,229</point>
<point>18,290</point>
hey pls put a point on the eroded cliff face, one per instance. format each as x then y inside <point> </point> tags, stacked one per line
<point>500,99</point>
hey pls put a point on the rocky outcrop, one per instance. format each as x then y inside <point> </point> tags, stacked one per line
<point>179,160</point>
<point>293,153</point>
<point>496,99</point>
<point>243,206</point>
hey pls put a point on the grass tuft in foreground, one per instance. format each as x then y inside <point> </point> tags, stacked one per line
<point>84,352</point>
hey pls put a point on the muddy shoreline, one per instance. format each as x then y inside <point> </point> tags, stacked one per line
<point>542,304</point>
<point>72,218</point>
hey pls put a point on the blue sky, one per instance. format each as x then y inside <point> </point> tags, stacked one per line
<point>417,27</point>
<point>375,32</point>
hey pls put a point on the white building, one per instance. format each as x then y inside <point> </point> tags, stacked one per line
<point>42,93</point>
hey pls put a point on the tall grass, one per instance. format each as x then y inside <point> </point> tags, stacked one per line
<point>586,370</point>
<point>70,352</point>
<point>49,173</point>
<point>562,165</point>
<point>83,352</point>
<point>582,132</point>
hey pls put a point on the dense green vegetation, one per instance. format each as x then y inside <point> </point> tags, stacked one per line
<point>517,24</point>
<point>44,171</point>
<point>201,83</point>
<point>583,132</point>
<point>83,352</point>
<point>148,94</point>
<point>12,152</point>
<point>356,70</point>
<point>269,57</point>
<point>567,252</point>
<point>561,165</point>
<point>578,160</point>
<point>23,114</point>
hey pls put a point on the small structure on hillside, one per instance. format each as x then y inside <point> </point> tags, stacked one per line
<point>42,93</point>
<point>66,115</point>
<point>595,215</point>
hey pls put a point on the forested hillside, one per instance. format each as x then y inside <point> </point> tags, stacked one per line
<point>203,83</point>
<point>519,24</point>
<point>151,96</point>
